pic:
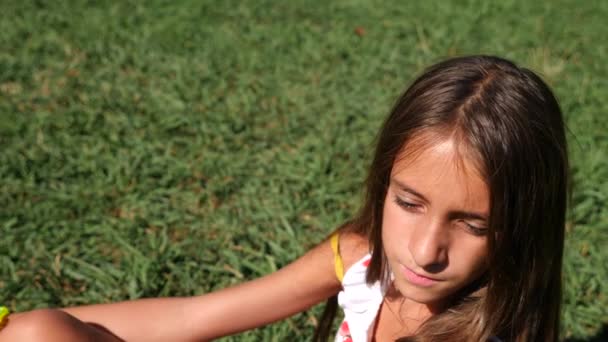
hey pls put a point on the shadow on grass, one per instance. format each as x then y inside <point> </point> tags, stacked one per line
<point>602,336</point>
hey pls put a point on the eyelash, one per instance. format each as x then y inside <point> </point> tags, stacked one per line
<point>476,231</point>
<point>411,207</point>
<point>405,205</point>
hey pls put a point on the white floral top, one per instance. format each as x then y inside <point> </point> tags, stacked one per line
<point>360,303</point>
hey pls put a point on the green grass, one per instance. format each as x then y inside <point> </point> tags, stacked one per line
<point>161,148</point>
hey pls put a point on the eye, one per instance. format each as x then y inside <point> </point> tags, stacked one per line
<point>406,205</point>
<point>477,231</point>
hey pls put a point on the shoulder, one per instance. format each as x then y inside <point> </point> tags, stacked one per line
<point>353,247</point>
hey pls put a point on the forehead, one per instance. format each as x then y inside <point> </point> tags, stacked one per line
<point>442,173</point>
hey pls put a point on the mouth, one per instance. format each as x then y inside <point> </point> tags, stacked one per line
<point>418,279</point>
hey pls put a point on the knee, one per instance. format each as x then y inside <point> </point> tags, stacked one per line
<point>37,325</point>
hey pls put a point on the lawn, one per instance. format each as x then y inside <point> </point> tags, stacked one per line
<point>172,148</point>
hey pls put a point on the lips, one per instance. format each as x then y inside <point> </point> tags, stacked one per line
<point>418,279</point>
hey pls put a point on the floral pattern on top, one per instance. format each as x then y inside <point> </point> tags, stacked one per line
<point>360,303</point>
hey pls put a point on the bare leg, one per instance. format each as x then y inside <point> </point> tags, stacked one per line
<point>52,325</point>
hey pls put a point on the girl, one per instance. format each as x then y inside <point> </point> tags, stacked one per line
<point>460,237</point>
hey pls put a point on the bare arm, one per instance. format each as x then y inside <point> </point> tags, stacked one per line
<point>294,288</point>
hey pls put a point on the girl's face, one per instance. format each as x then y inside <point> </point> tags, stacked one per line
<point>434,224</point>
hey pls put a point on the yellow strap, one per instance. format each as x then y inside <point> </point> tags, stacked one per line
<point>3,314</point>
<point>335,247</point>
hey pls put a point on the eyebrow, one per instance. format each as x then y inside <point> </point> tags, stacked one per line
<point>409,189</point>
<point>454,214</point>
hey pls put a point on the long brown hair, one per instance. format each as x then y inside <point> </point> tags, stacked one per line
<point>511,122</point>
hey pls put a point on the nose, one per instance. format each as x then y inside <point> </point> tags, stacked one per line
<point>428,246</point>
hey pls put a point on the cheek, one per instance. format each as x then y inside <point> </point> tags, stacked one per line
<point>471,258</point>
<point>395,229</point>
<point>389,227</point>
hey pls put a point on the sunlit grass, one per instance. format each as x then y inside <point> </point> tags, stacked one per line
<point>172,148</point>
